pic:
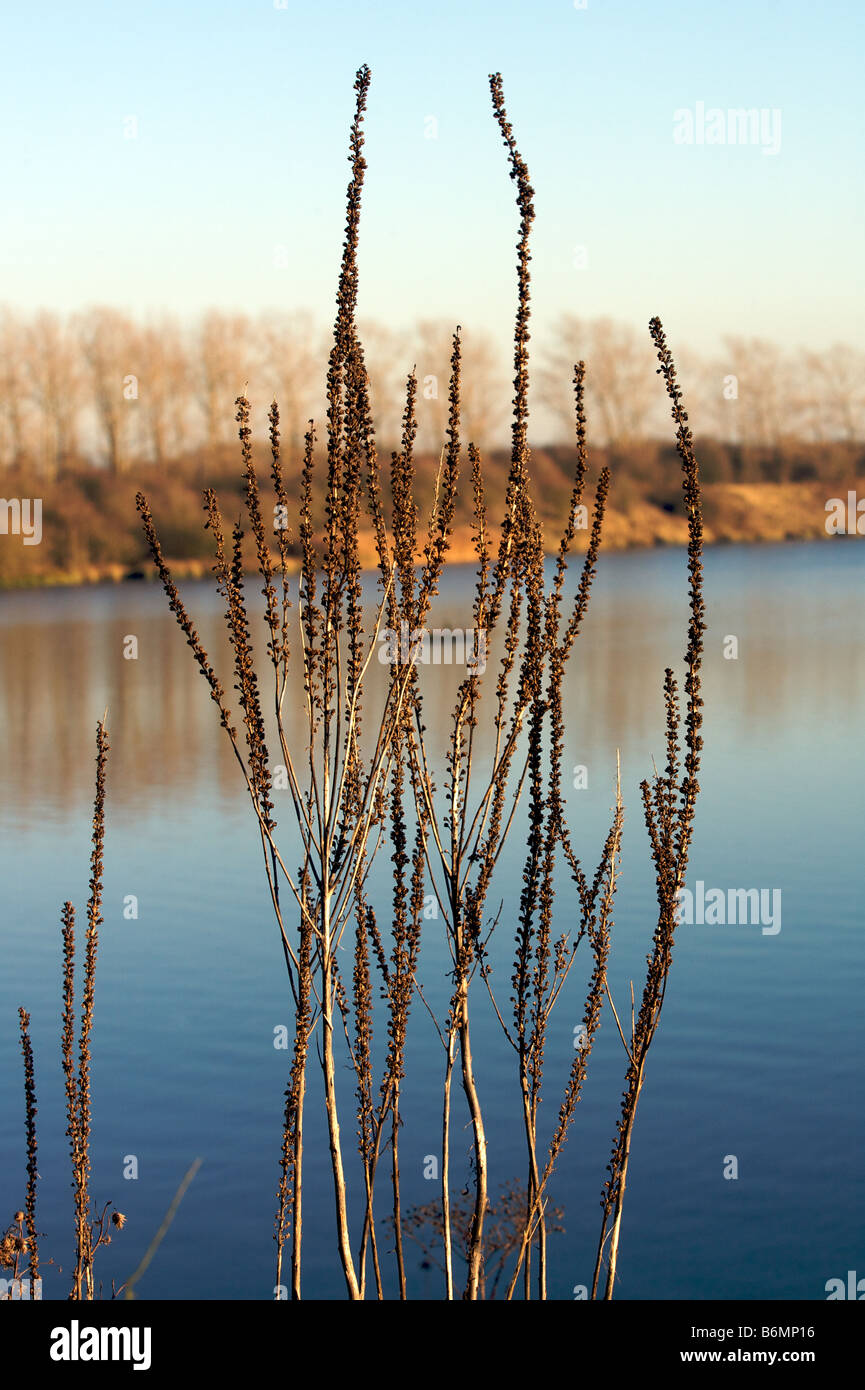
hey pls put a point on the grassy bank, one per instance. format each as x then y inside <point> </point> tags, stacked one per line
<point>90,530</point>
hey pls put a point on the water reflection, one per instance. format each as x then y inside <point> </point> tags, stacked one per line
<point>63,663</point>
<point>761,1041</point>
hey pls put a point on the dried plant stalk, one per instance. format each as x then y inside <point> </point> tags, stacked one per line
<point>30,1128</point>
<point>668,804</point>
<point>542,965</point>
<point>78,1079</point>
<point>337,796</point>
<point>91,1230</point>
<point>469,841</point>
<point>358,781</point>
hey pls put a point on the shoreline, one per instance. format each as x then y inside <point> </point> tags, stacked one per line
<point>197,570</point>
<point>733,513</point>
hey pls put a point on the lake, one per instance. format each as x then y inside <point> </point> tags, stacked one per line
<point>758,1056</point>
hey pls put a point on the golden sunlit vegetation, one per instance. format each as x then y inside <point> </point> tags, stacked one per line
<point>89,531</point>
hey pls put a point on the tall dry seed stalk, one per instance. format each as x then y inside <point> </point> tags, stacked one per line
<point>91,1230</point>
<point>542,963</point>
<point>668,804</point>
<point>337,791</point>
<point>92,1226</point>
<point>363,777</point>
<point>32,1247</point>
<point>467,836</point>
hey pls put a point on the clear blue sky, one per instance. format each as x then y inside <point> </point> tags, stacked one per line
<point>243,111</point>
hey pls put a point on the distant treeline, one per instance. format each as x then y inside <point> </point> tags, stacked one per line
<point>99,389</point>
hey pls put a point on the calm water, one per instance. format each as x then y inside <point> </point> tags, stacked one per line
<point>759,1051</point>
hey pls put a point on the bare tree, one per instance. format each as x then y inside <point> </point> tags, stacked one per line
<point>619,376</point>
<point>164,391</point>
<point>220,361</point>
<point>109,350</point>
<point>484,397</point>
<point>14,389</point>
<point>388,357</point>
<point>830,394</point>
<point>762,410</point>
<point>293,357</point>
<point>54,368</point>
<point>486,390</point>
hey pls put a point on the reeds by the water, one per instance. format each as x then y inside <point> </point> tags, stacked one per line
<point>32,1244</point>
<point>337,793</point>
<point>669,802</point>
<point>92,1226</point>
<point>364,779</point>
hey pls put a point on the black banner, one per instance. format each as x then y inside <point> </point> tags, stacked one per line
<point>61,1339</point>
